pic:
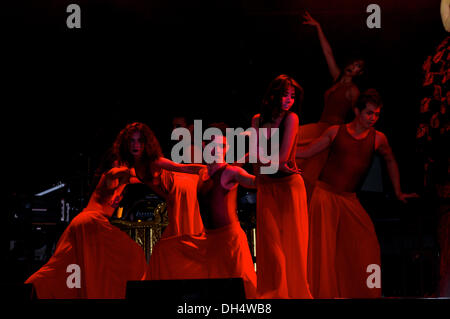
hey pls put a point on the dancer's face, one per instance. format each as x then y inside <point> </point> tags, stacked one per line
<point>355,68</point>
<point>288,99</point>
<point>220,147</point>
<point>136,145</point>
<point>369,116</point>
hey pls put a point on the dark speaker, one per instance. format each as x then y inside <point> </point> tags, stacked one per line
<point>186,290</point>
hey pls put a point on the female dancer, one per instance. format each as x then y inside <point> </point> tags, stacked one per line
<point>282,217</point>
<point>136,146</point>
<point>339,101</point>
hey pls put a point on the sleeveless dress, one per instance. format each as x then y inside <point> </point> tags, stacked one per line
<point>282,234</point>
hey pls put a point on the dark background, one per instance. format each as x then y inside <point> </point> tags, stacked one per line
<point>67,92</point>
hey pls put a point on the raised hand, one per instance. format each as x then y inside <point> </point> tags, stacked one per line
<point>118,176</point>
<point>310,20</point>
<point>112,183</point>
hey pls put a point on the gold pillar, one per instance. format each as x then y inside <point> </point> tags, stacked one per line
<point>145,233</point>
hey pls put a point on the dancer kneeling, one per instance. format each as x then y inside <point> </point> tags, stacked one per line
<point>103,257</point>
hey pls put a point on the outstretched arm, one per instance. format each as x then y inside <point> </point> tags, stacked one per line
<point>383,148</point>
<point>167,164</point>
<point>241,176</point>
<point>326,48</point>
<point>319,144</point>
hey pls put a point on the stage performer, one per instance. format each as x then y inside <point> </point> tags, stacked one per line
<point>281,209</point>
<point>343,242</point>
<point>222,250</point>
<point>93,259</point>
<point>339,100</point>
<point>136,146</point>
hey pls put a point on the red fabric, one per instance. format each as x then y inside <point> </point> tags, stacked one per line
<point>311,167</point>
<point>282,237</point>
<point>337,105</point>
<point>182,206</point>
<point>342,244</point>
<point>107,258</point>
<point>335,111</point>
<point>218,253</point>
<point>349,160</point>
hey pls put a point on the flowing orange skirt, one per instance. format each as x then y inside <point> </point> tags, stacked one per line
<point>214,254</point>
<point>312,166</point>
<point>107,258</point>
<point>282,238</point>
<point>182,206</point>
<point>342,244</point>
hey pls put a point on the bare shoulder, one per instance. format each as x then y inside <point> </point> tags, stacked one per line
<point>381,142</point>
<point>292,117</point>
<point>332,130</point>
<point>229,177</point>
<point>160,160</point>
<point>380,137</point>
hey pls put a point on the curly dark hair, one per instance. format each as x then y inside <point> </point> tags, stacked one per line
<point>271,104</point>
<point>152,149</point>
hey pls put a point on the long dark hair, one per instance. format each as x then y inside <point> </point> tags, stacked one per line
<point>271,104</point>
<point>152,149</point>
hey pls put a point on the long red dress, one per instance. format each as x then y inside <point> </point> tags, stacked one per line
<point>107,258</point>
<point>282,234</point>
<point>282,238</point>
<point>342,242</point>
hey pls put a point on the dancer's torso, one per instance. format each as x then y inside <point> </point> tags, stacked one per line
<point>349,160</point>
<point>217,204</point>
<point>291,159</point>
<point>336,104</point>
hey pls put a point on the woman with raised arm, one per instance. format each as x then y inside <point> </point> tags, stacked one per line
<point>281,212</point>
<point>338,102</point>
